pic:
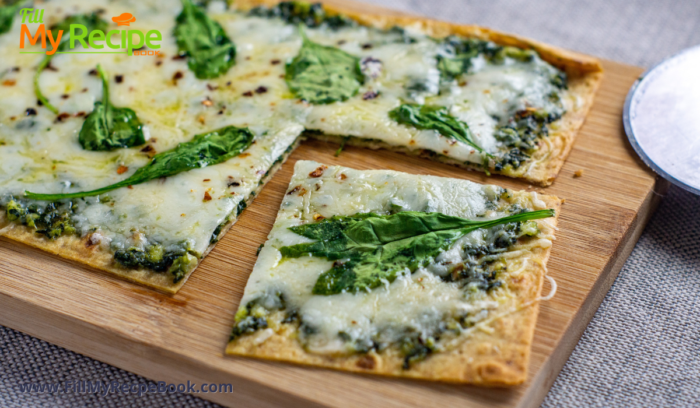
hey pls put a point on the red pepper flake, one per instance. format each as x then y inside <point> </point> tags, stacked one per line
<point>63,116</point>
<point>232,182</point>
<point>80,114</point>
<point>9,82</point>
<point>246,154</point>
<point>212,87</point>
<point>248,93</point>
<point>180,57</point>
<point>119,79</point>
<point>65,96</point>
<point>275,62</point>
<point>178,75</point>
<point>84,90</point>
<point>159,63</point>
<point>318,217</point>
<point>207,180</point>
<point>343,176</point>
<point>207,102</point>
<point>294,190</point>
<point>15,69</point>
<point>318,172</point>
<point>148,149</point>
<point>12,118</point>
<point>207,197</point>
<point>261,89</point>
<point>92,72</point>
<point>122,169</point>
<point>130,187</point>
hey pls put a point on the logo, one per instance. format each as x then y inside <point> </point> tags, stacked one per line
<point>124,19</point>
<point>93,42</point>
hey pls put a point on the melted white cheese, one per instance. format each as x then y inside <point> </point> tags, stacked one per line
<point>41,155</point>
<point>420,300</point>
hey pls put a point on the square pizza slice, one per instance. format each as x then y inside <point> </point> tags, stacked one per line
<point>402,275</point>
<point>137,165</point>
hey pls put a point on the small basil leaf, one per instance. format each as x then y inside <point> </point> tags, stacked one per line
<point>91,22</point>
<point>320,74</point>
<point>370,249</point>
<point>210,52</point>
<point>108,127</point>
<point>203,150</point>
<point>434,118</point>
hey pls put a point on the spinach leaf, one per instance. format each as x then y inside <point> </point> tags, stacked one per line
<point>320,74</point>
<point>7,14</point>
<point>203,150</point>
<point>91,22</point>
<point>108,127</point>
<point>370,248</point>
<point>210,52</point>
<point>434,118</point>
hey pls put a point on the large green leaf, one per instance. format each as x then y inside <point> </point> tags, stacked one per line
<point>320,74</point>
<point>209,50</point>
<point>108,127</point>
<point>204,150</point>
<point>433,117</point>
<point>370,249</point>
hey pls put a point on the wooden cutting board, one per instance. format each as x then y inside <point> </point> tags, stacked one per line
<point>182,337</point>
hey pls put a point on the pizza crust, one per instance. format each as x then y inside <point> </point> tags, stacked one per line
<point>494,354</point>
<point>585,74</point>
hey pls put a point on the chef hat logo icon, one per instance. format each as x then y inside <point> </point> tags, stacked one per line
<point>124,19</point>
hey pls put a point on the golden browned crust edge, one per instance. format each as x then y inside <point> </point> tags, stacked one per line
<point>499,358</point>
<point>585,73</point>
<point>78,249</point>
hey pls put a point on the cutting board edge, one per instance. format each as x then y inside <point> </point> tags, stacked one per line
<point>539,386</point>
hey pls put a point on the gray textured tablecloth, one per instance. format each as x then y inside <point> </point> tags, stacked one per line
<point>641,349</point>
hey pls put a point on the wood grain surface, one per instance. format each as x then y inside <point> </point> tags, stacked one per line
<point>182,337</point>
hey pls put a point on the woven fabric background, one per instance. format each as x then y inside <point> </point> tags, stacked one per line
<point>641,349</point>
